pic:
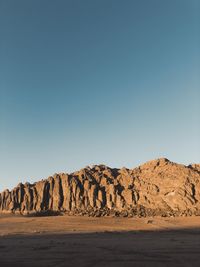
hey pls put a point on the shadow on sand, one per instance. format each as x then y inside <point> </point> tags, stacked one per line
<point>136,248</point>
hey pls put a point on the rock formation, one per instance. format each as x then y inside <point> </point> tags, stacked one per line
<point>158,187</point>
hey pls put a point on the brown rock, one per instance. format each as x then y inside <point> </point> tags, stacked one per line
<point>158,187</point>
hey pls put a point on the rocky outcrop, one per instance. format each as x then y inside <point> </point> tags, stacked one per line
<point>158,187</point>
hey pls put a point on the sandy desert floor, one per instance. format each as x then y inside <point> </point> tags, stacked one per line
<point>84,241</point>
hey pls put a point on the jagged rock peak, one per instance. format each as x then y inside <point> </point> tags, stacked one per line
<point>155,163</point>
<point>158,187</point>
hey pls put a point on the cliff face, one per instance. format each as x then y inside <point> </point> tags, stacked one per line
<point>158,187</point>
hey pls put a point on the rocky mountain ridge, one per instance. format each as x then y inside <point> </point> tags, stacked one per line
<point>158,187</point>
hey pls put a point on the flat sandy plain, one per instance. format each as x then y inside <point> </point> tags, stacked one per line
<point>107,241</point>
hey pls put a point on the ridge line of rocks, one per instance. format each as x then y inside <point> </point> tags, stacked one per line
<point>158,187</point>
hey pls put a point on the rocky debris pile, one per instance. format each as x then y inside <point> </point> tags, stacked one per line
<point>158,187</point>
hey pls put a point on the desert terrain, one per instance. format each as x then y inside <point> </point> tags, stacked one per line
<point>146,216</point>
<point>104,241</point>
<point>156,188</point>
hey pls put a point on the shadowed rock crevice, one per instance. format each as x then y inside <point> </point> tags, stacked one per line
<point>158,187</point>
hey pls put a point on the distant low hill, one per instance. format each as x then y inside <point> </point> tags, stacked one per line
<point>158,187</point>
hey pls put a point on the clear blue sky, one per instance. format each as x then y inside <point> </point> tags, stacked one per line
<point>97,81</point>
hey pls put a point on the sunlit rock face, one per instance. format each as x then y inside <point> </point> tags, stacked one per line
<point>158,187</point>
